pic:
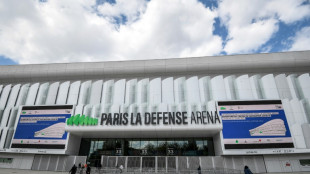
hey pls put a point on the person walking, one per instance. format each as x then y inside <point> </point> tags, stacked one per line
<point>121,168</point>
<point>88,170</point>
<point>73,169</point>
<point>199,170</point>
<point>247,170</point>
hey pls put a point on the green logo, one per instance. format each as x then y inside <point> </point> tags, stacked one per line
<point>82,120</point>
<point>24,112</point>
<point>237,141</point>
<point>223,108</point>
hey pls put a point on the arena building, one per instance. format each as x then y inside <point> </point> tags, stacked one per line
<point>166,115</point>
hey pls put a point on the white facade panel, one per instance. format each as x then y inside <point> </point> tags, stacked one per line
<point>52,94</point>
<point>255,86</point>
<point>218,90</point>
<point>32,94</point>
<point>291,80</point>
<point>243,88</point>
<point>131,92</point>
<point>298,112</point>
<point>269,87</point>
<point>95,92</point>
<point>87,110</point>
<point>304,83</point>
<point>3,137</point>
<point>167,91</point>
<point>180,95</point>
<point>204,89</point>
<point>119,92</point>
<point>74,93</point>
<point>5,117</point>
<point>42,94</point>
<point>143,91</point>
<point>13,96</point>
<point>79,109</point>
<point>107,92</point>
<point>288,112</point>
<point>12,119</point>
<point>283,87</point>
<point>155,91</point>
<point>96,111</point>
<point>84,93</point>
<point>230,87</point>
<point>4,96</point>
<point>21,99</point>
<point>298,136</point>
<point>192,90</point>
<point>63,93</point>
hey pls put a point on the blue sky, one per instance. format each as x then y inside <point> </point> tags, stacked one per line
<point>43,31</point>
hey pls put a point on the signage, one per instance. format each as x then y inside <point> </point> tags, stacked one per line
<point>157,118</point>
<point>82,120</point>
<point>254,125</point>
<point>42,127</point>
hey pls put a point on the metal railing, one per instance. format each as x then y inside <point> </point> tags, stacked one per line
<point>153,170</point>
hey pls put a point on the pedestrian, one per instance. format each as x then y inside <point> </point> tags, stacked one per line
<point>121,168</point>
<point>73,169</point>
<point>99,167</point>
<point>247,170</point>
<point>88,170</point>
<point>79,167</point>
<point>199,170</point>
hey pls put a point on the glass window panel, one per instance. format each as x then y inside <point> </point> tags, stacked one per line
<point>134,148</point>
<point>161,148</point>
<point>151,147</point>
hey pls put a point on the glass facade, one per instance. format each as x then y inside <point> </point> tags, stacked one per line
<point>95,148</point>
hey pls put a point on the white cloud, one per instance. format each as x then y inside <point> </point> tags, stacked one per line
<point>251,24</point>
<point>302,40</point>
<point>131,9</point>
<point>71,30</point>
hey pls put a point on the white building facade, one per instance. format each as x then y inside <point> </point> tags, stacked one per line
<point>168,115</point>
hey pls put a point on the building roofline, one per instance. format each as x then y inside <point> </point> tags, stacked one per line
<point>284,62</point>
